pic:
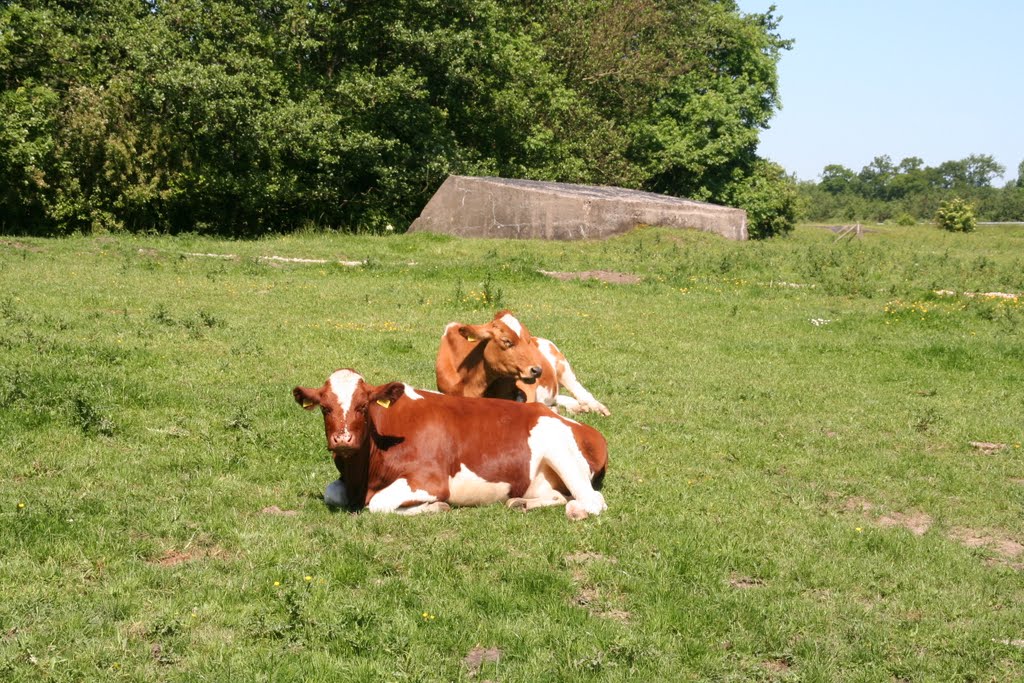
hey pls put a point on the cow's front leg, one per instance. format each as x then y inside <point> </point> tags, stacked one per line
<point>586,401</point>
<point>398,495</point>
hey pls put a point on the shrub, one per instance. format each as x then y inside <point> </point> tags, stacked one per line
<point>769,197</point>
<point>905,219</point>
<point>956,215</point>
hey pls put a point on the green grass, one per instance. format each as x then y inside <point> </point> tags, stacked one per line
<point>146,422</point>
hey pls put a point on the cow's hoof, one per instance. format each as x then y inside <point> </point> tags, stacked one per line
<point>574,510</point>
<point>517,504</point>
<point>336,495</point>
<point>592,502</point>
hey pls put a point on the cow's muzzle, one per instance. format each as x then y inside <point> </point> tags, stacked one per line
<point>341,441</point>
<point>534,373</point>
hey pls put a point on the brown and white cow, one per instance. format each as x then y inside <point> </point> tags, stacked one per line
<point>407,450</point>
<point>487,360</point>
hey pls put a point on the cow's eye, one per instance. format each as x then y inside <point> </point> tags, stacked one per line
<point>507,343</point>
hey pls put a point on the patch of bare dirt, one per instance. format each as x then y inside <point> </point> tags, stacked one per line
<point>780,666</point>
<point>609,276</point>
<point>479,656</point>
<point>156,651</point>
<point>590,596</point>
<point>988,448</point>
<point>14,244</point>
<point>1016,642</point>
<point>583,557</point>
<point>857,504</point>
<point>1005,548</point>
<point>586,596</point>
<point>172,557</point>
<point>274,510</point>
<point>745,582</point>
<point>916,522</point>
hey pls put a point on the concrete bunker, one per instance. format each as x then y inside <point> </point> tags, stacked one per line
<point>530,209</point>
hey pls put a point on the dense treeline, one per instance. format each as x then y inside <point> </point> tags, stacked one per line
<point>243,117</point>
<point>910,191</point>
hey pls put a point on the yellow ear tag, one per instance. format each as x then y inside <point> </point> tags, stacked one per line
<point>384,403</point>
<point>306,403</point>
<point>470,339</point>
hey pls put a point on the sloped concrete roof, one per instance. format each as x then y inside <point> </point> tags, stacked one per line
<point>529,209</point>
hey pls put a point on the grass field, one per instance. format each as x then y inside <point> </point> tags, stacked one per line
<point>793,494</point>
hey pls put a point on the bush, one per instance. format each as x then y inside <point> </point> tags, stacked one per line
<point>956,215</point>
<point>905,219</point>
<point>769,197</point>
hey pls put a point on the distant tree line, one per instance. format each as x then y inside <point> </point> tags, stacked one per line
<point>244,117</point>
<point>910,191</point>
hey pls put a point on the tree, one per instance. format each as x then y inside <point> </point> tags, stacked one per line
<point>876,178</point>
<point>245,117</point>
<point>837,179</point>
<point>981,169</point>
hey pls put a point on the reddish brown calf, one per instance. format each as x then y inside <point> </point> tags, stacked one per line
<point>408,450</point>
<point>468,364</point>
<point>488,360</point>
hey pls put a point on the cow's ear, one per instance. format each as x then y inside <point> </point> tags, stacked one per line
<point>386,394</point>
<point>306,397</point>
<point>473,333</point>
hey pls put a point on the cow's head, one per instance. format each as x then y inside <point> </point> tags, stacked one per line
<point>344,401</point>
<point>508,347</point>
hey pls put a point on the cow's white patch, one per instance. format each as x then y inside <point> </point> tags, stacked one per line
<point>391,497</point>
<point>412,393</point>
<point>512,323</point>
<point>447,328</point>
<point>336,495</point>
<point>553,443</point>
<point>549,351</point>
<point>467,488</point>
<point>344,384</point>
<point>544,396</point>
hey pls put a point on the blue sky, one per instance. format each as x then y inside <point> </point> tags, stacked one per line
<point>938,80</point>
